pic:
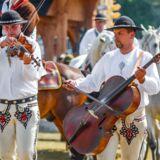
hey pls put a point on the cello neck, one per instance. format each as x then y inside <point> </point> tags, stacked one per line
<point>125,84</point>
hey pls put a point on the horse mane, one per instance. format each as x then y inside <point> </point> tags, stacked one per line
<point>103,43</point>
<point>150,41</point>
<point>68,72</point>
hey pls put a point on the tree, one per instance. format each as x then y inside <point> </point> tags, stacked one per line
<point>142,11</point>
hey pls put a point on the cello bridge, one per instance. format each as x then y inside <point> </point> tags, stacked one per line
<point>92,113</point>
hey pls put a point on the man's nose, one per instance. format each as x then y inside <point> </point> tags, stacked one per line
<point>9,28</point>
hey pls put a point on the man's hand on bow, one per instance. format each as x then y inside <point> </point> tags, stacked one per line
<point>69,84</point>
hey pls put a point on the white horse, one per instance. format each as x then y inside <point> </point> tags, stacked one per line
<point>151,42</point>
<point>103,43</point>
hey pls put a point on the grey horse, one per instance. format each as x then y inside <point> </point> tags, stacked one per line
<point>151,42</point>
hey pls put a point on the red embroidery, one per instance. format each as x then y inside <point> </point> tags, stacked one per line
<point>23,116</point>
<point>129,133</point>
<point>4,119</point>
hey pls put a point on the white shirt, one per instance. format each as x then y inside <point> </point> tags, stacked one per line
<point>114,63</point>
<point>88,40</point>
<point>19,80</point>
<point>78,62</point>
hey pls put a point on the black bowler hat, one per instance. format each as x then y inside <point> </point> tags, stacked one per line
<point>100,17</point>
<point>125,22</point>
<point>11,17</point>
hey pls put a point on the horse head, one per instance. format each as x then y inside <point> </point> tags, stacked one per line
<point>103,43</point>
<point>151,40</point>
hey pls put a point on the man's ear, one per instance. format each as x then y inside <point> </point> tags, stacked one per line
<point>132,34</point>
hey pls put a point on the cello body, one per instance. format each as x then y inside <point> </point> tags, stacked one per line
<point>89,128</point>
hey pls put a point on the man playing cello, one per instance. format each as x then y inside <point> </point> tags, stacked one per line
<point>124,61</point>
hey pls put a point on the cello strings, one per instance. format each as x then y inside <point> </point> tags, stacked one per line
<point>96,100</point>
<point>96,109</point>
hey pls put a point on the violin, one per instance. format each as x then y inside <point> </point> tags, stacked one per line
<point>88,128</point>
<point>22,47</point>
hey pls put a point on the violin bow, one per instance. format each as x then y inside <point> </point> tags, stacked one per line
<point>29,22</point>
<point>33,14</point>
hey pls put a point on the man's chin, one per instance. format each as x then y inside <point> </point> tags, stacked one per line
<point>119,45</point>
<point>12,35</point>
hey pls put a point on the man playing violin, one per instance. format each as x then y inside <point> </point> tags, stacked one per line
<point>27,11</point>
<point>130,132</point>
<point>19,113</point>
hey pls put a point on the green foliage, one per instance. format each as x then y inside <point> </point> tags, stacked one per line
<point>144,12</point>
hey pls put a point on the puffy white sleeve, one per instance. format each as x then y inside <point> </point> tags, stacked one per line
<point>94,80</point>
<point>151,84</point>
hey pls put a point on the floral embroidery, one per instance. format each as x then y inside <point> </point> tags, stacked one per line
<point>5,117</point>
<point>129,133</point>
<point>23,115</point>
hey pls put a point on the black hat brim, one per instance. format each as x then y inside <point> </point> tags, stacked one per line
<point>13,22</point>
<point>125,26</point>
<point>100,19</point>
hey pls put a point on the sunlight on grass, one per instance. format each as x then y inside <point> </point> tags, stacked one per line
<point>50,148</point>
<point>50,141</point>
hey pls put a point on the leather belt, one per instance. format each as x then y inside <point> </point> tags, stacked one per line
<point>19,101</point>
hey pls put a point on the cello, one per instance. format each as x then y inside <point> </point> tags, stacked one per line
<point>88,128</point>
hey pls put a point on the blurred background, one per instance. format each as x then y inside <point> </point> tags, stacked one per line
<point>64,22</point>
<point>60,30</point>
